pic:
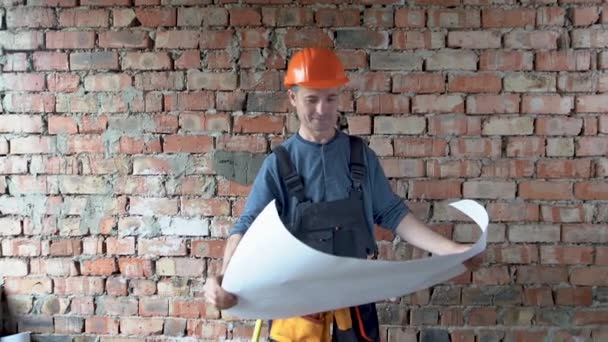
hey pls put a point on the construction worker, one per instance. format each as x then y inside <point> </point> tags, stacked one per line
<point>330,190</point>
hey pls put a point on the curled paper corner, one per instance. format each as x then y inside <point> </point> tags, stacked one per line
<point>274,275</point>
<point>473,210</point>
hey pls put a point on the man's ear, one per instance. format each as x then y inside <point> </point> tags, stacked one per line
<point>292,96</point>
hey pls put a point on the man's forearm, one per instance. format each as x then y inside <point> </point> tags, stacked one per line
<point>420,235</point>
<point>231,244</point>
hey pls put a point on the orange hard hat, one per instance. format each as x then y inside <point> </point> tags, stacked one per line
<point>315,68</point>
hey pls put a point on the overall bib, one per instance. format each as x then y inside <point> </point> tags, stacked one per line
<point>335,227</point>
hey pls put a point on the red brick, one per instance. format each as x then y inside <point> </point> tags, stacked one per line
<point>124,39</point>
<point>146,61</point>
<point>409,18</point>
<point>496,275</point>
<point>526,147</point>
<point>520,17</point>
<point>149,307</point>
<point>116,286</point>
<point>418,83</point>
<point>78,286</point>
<point>120,246</point>
<point>475,83</point>
<point>419,147</point>
<point>474,39</point>
<point>475,146</point>
<point>506,60</point>
<point>188,59</point>
<point>230,188</point>
<point>383,104</point>
<point>550,16</point>
<point>94,60</point>
<point>563,60</point>
<point>192,309</point>
<point>585,16</point>
<point>213,331</point>
<point>601,255</point>
<point>481,316</point>
<point>142,287</point>
<point>135,267</point>
<point>592,146</point>
<point>589,276</point>
<point>258,124</point>
<point>566,255</point>
<point>220,39</point>
<point>70,40</point>
<point>576,213</point>
<point>574,296</point>
<point>592,190</point>
<point>104,3</point>
<point>584,233</point>
<point>242,144</point>
<point>31,17</point>
<point>197,100</point>
<point>101,325</point>
<point>181,39</point>
<point>438,104</point>
<point>245,17</point>
<point>454,18</point>
<point>435,189</point>
<point>515,211</point>
<point>65,247</point>
<point>343,17</point>
<point>592,103</point>
<point>370,81</point>
<point>564,168</point>
<point>492,104</point>
<point>99,267</point>
<point>21,247</point>
<point>545,190</point>
<point>205,207</point>
<point>559,126</point>
<point>183,143</point>
<point>156,17</point>
<point>307,37</point>
<point>547,104</point>
<point>520,39</point>
<point>83,18</point>
<point>47,61</point>
<point>107,82</point>
<point>541,275</point>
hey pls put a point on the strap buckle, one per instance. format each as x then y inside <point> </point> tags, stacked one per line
<point>294,183</point>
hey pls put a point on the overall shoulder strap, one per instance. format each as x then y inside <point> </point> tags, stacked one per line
<point>357,166</point>
<point>292,180</point>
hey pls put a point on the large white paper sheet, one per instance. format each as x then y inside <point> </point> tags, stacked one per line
<point>274,275</point>
<point>21,337</point>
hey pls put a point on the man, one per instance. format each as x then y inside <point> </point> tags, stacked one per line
<point>330,190</point>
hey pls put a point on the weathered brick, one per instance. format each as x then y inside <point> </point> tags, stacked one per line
<point>520,39</point>
<point>506,60</point>
<point>102,60</point>
<point>449,59</point>
<point>181,267</point>
<point>193,16</point>
<point>79,17</point>
<point>530,82</point>
<point>333,17</point>
<point>497,18</point>
<point>474,40</point>
<point>454,18</point>
<point>23,40</point>
<point>589,38</point>
<point>569,60</point>
<point>525,147</point>
<point>428,40</point>
<point>545,190</point>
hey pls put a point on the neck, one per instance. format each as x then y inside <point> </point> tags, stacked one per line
<point>317,137</point>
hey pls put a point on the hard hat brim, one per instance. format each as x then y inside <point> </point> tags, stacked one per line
<point>321,84</point>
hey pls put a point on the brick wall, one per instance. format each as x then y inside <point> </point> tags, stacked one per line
<point>113,204</point>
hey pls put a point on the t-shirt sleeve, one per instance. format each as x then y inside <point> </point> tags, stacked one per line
<point>387,207</point>
<point>263,191</point>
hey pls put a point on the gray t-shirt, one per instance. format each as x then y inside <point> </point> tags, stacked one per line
<point>325,172</point>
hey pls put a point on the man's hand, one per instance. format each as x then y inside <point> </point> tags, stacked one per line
<point>216,295</point>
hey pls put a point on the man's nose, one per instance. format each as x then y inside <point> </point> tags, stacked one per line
<point>321,107</point>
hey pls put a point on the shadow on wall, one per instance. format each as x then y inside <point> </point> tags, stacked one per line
<point>8,324</point>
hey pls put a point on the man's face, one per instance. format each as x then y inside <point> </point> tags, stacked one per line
<point>317,109</point>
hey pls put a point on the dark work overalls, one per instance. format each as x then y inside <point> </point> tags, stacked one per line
<point>336,227</point>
